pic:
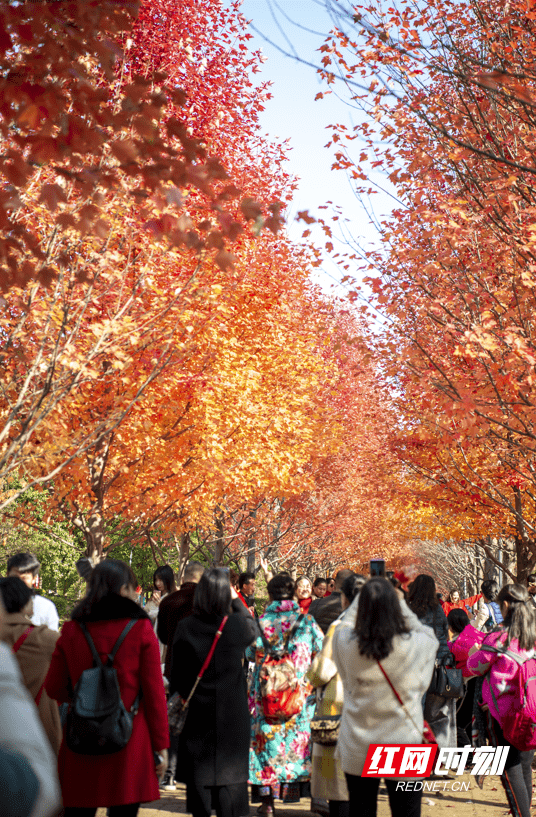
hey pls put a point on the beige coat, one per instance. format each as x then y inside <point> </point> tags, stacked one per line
<point>33,658</point>
<point>371,711</point>
<point>327,777</point>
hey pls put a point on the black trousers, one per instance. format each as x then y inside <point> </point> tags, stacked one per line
<point>227,801</point>
<point>130,810</point>
<point>517,775</point>
<point>363,793</point>
<point>339,808</point>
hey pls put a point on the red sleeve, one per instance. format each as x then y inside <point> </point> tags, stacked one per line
<point>472,600</point>
<point>57,682</point>
<point>152,685</point>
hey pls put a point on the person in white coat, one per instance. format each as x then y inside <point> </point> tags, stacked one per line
<point>28,776</point>
<point>379,627</point>
<point>26,567</point>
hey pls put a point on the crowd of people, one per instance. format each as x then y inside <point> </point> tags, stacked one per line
<point>358,654</point>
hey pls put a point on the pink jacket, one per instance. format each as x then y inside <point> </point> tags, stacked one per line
<point>502,670</point>
<point>461,645</point>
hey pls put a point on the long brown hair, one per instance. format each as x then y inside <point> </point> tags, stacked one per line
<point>520,619</point>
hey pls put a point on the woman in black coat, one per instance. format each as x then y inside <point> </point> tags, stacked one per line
<point>440,712</point>
<point>214,745</point>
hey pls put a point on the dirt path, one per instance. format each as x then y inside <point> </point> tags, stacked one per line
<point>475,802</point>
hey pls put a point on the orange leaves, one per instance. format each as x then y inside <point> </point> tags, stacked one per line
<point>455,268</point>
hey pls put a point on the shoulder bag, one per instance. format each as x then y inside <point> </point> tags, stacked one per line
<point>325,728</point>
<point>447,680</point>
<point>178,706</point>
<point>427,734</point>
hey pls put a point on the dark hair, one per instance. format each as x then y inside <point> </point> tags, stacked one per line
<point>165,572</point>
<point>24,562</point>
<point>422,595</point>
<point>457,619</point>
<point>341,575</point>
<point>109,576</point>
<point>234,576</point>
<point>352,585</point>
<point>451,591</point>
<point>520,619</point>
<point>281,587</point>
<point>319,580</point>
<point>213,593</point>
<point>244,578</point>
<point>15,594</point>
<point>531,578</point>
<point>379,618</point>
<point>489,589</point>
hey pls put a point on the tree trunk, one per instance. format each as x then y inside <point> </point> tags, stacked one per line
<point>252,544</point>
<point>219,544</point>
<point>184,553</point>
<point>523,549</point>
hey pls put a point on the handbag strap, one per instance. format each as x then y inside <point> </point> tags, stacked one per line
<point>400,701</point>
<point>16,646</point>
<point>21,639</point>
<point>207,659</point>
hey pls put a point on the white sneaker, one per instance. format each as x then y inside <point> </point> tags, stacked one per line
<point>168,784</point>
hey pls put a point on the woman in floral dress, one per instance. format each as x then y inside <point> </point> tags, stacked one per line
<point>280,756</point>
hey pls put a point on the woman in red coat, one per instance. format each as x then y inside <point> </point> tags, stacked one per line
<point>454,602</point>
<point>127,778</point>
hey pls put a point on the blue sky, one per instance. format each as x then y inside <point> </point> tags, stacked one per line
<point>293,114</point>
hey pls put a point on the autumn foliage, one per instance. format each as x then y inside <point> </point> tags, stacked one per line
<point>450,91</point>
<point>168,369</point>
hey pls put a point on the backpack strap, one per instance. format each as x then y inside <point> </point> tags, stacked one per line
<point>96,657</point>
<point>120,640</point>
<point>513,655</point>
<point>21,639</point>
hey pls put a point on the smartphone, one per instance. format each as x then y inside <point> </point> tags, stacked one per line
<point>377,568</point>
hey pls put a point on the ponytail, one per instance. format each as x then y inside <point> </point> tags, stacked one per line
<point>520,619</point>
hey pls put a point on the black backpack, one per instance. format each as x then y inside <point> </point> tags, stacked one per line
<point>97,721</point>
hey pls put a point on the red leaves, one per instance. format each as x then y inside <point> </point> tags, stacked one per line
<point>125,151</point>
<point>251,209</point>
<point>50,195</point>
<point>225,260</point>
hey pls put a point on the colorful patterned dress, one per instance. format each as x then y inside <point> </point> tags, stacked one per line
<point>281,752</point>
